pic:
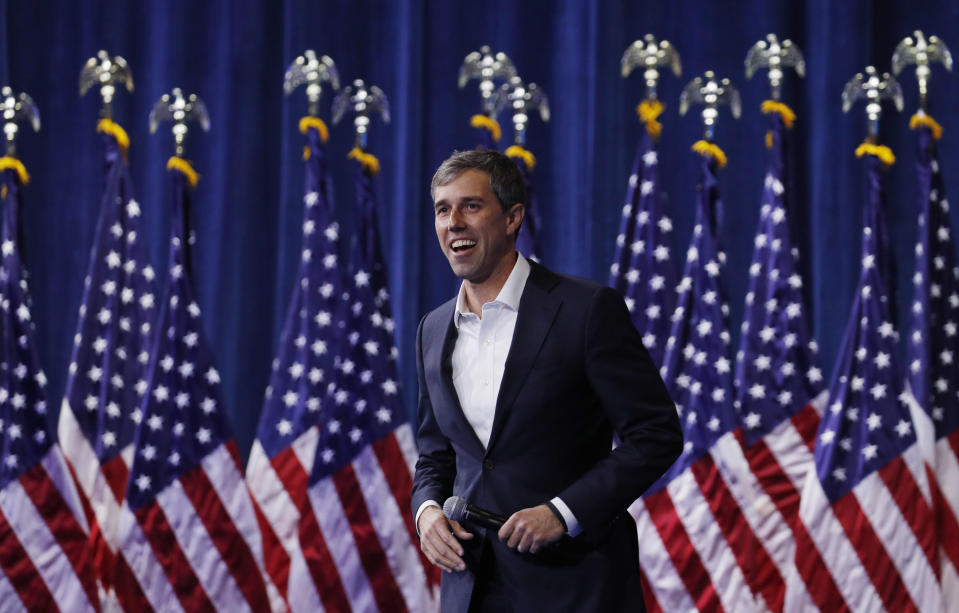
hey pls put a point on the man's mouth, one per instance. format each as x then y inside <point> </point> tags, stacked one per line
<point>462,244</point>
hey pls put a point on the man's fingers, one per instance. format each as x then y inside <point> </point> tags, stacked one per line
<point>460,532</point>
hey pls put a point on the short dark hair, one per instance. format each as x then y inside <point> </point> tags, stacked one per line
<point>505,179</point>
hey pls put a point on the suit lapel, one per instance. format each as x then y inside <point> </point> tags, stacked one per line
<point>537,310</point>
<point>440,339</point>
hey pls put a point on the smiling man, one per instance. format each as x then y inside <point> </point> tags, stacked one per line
<point>524,377</point>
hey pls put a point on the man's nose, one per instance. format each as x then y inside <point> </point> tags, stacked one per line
<point>455,219</point>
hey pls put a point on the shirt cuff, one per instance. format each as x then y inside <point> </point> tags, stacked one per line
<point>572,526</point>
<point>419,511</point>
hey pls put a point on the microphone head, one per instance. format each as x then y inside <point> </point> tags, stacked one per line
<point>455,508</point>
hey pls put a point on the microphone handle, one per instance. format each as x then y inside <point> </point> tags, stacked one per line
<point>484,517</point>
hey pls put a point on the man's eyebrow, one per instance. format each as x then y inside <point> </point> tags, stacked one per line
<point>464,199</point>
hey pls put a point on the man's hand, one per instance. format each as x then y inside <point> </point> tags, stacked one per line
<point>531,529</point>
<point>438,539</point>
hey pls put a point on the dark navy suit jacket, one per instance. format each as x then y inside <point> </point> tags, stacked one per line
<point>576,372</point>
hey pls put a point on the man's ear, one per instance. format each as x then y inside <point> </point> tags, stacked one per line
<point>514,218</point>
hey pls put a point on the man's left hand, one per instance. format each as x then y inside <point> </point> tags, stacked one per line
<point>531,529</point>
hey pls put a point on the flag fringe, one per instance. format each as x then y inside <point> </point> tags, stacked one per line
<point>368,160</point>
<point>925,120</point>
<point>769,107</point>
<point>12,163</point>
<point>882,152</point>
<point>315,122</point>
<point>487,123</point>
<point>517,151</point>
<point>181,165</point>
<point>649,112</point>
<point>708,149</point>
<point>108,126</point>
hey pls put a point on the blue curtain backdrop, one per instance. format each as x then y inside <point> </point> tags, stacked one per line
<point>248,206</point>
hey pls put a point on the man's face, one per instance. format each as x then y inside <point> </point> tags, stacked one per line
<point>474,231</point>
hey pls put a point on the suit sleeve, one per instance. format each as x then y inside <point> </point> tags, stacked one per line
<point>630,391</point>
<point>436,465</point>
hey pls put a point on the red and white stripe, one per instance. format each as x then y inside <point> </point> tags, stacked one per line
<point>279,491</point>
<point>366,537</point>
<point>942,467</point>
<point>44,562</point>
<point>877,542</point>
<point>197,545</point>
<point>102,489</point>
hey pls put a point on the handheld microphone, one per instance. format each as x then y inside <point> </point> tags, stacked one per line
<point>458,510</point>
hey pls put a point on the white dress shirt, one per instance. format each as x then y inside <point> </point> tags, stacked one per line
<point>479,359</point>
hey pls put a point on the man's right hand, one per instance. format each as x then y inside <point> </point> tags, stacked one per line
<point>438,539</point>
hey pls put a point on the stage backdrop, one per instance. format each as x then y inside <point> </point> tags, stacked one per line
<point>248,206</point>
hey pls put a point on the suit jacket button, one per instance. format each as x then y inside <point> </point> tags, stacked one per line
<point>488,465</point>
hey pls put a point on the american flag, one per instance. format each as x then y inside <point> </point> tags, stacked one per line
<point>933,349</point>
<point>282,454</point>
<point>866,507</point>
<point>779,387</point>
<point>643,269</point>
<point>698,540</point>
<point>189,533</point>
<point>110,354</point>
<point>360,482</point>
<point>44,562</point>
<point>526,240</point>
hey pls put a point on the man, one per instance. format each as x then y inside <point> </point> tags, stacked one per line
<point>524,377</point>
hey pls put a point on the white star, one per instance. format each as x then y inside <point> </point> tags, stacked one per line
<point>284,427</point>
<point>109,439</point>
<point>323,319</point>
<point>389,387</point>
<point>878,391</point>
<point>785,397</point>
<point>827,437</point>
<point>203,435</point>
<point>91,402</point>
<point>155,422</point>
<point>839,474</point>
<point>190,339</point>
<point>881,360</point>
<point>295,370</point>
<point>212,376</point>
<point>903,428</point>
<point>383,415</point>
<point>149,452</point>
<point>182,399</point>
<point>757,391</point>
<point>208,405</point>
<point>167,363</point>
<point>371,347</point>
<point>661,253</point>
<point>8,247</point>
<point>704,327</point>
<point>143,482</point>
<point>161,393</point>
<point>869,452</point>
<point>638,247</point>
<point>814,375</point>
<point>873,421</point>
<point>646,188</point>
<point>857,383</point>
<point>886,330</point>
<point>361,278</point>
<point>762,363</point>
<point>290,398</point>
<point>945,357</point>
<point>722,365</point>
<point>767,334</point>
<point>113,259</point>
<point>185,369</point>
<point>146,301</point>
<point>752,420</point>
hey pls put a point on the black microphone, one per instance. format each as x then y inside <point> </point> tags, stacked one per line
<point>458,510</point>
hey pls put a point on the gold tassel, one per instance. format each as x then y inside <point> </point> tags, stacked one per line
<point>925,120</point>
<point>315,122</point>
<point>882,152</point>
<point>181,165</point>
<point>769,139</point>
<point>516,151</point>
<point>368,160</point>
<point>710,150</point>
<point>649,112</point>
<point>7,162</point>
<point>769,107</point>
<point>482,121</point>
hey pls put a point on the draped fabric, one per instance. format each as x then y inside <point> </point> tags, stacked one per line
<point>249,210</point>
